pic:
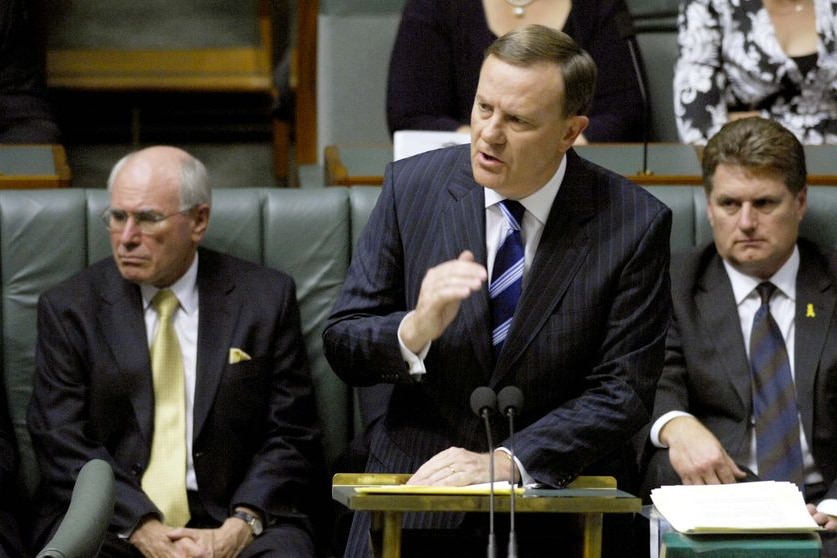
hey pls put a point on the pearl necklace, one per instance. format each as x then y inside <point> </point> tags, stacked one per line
<point>519,6</point>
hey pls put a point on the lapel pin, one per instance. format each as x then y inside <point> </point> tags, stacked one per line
<point>809,313</point>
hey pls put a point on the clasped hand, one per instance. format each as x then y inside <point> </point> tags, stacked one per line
<point>157,540</point>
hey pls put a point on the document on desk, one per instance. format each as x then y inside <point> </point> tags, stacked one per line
<point>502,488</point>
<point>407,143</point>
<point>747,507</point>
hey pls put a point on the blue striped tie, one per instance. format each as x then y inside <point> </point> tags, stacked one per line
<point>778,452</point>
<point>507,276</point>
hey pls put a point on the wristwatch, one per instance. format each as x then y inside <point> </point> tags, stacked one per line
<point>251,520</point>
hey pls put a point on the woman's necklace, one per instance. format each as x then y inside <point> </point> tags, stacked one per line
<point>798,6</point>
<point>519,6</point>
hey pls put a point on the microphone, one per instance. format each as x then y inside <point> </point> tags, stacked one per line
<point>483,403</point>
<point>625,28</point>
<point>82,530</point>
<point>510,401</point>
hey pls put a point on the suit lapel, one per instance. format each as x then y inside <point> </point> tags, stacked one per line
<point>123,327</point>
<point>216,321</point>
<point>465,226</point>
<point>718,315</point>
<point>563,247</point>
<point>815,301</point>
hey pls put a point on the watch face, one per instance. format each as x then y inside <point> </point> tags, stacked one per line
<point>256,525</point>
<point>252,521</point>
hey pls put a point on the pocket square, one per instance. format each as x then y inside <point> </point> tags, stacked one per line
<point>237,355</point>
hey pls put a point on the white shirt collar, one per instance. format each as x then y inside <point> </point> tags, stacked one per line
<point>184,288</point>
<point>538,204</point>
<point>784,279</point>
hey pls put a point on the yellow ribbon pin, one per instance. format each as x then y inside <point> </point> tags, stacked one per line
<point>809,313</point>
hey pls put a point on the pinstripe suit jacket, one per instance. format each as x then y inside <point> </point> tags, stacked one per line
<point>586,344</point>
<point>706,370</point>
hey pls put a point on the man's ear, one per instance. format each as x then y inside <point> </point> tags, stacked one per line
<point>575,126</point>
<point>201,217</point>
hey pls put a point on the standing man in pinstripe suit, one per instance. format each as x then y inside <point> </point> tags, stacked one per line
<point>586,339</point>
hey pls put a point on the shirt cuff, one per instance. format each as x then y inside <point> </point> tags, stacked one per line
<point>662,421</point>
<point>525,478</point>
<point>828,507</point>
<point>415,362</point>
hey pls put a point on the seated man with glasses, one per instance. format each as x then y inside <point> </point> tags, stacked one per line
<point>184,369</point>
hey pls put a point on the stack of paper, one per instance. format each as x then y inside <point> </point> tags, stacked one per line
<point>748,507</point>
<point>500,487</point>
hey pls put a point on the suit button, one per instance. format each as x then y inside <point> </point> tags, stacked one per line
<point>136,469</point>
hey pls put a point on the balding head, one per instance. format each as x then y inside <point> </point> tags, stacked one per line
<point>159,207</point>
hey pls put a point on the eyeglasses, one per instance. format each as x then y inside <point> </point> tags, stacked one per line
<point>148,222</point>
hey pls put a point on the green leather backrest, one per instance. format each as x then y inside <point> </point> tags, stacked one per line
<point>655,22</point>
<point>654,15</point>
<point>42,241</point>
<point>353,54</point>
<point>306,234</point>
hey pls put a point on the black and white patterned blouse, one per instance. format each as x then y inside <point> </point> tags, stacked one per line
<point>730,60</point>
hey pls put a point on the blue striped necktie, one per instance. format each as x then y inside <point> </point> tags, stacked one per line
<point>507,275</point>
<point>778,452</point>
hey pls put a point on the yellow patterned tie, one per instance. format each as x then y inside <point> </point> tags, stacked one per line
<point>165,479</point>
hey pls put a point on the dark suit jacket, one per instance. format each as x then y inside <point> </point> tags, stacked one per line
<point>586,345</point>
<point>11,544</point>
<point>255,439</point>
<point>707,372</point>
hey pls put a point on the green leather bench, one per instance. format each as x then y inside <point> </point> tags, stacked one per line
<point>47,235</point>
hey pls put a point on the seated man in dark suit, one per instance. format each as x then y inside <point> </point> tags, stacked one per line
<point>573,311</point>
<point>184,369</point>
<point>11,544</point>
<point>758,303</point>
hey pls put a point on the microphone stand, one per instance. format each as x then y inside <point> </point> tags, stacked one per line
<point>644,171</point>
<point>483,402</point>
<point>625,28</point>
<point>492,542</point>
<point>510,401</point>
<point>512,552</point>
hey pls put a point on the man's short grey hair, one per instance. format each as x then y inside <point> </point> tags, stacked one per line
<point>194,181</point>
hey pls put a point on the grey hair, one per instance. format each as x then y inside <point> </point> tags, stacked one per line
<point>194,180</point>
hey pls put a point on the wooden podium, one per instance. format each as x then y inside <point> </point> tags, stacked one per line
<point>590,497</point>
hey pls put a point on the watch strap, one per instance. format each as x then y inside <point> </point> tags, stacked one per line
<point>252,521</point>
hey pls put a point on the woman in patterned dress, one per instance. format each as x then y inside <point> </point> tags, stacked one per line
<point>773,58</point>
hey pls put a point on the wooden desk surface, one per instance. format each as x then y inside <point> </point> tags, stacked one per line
<point>33,166</point>
<point>588,495</point>
<point>354,165</point>
<point>667,163</point>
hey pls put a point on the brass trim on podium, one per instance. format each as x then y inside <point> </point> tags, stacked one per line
<point>585,497</point>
